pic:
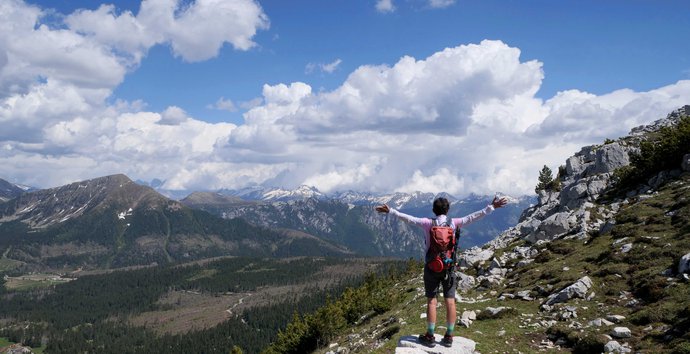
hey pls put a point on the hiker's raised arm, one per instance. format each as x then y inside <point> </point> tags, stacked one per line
<point>499,202</point>
<point>384,208</point>
<point>477,215</point>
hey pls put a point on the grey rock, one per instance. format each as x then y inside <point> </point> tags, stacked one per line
<point>607,226</point>
<point>554,225</point>
<point>615,347</point>
<point>577,289</point>
<point>597,185</point>
<point>621,332</point>
<point>600,322</point>
<point>465,282</point>
<point>493,312</point>
<point>575,165</point>
<point>523,263</point>
<point>499,272</point>
<point>410,345</point>
<point>686,162</point>
<point>574,191</point>
<point>522,294</point>
<point>528,226</point>
<point>470,315</point>
<point>547,197</point>
<point>615,318</point>
<point>684,264</point>
<point>525,252</point>
<point>610,157</point>
<point>490,281</point>
<point>475,255</point>
<point>626,247</point>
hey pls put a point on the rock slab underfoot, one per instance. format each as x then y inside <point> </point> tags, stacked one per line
<point>410,345</point>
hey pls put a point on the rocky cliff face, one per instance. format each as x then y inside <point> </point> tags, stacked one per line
<point>575,211</point>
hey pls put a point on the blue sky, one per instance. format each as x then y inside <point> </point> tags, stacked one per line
<point>593,46</point>
<point>274,104</point>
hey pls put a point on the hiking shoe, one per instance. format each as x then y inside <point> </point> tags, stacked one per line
<point>447,341</point>
<point>427,339</point>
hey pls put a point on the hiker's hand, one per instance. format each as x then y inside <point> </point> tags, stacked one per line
<point>383,208</point>
<point>499,202</point>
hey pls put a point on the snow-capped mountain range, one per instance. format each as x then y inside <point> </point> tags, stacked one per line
<point>398,200</point>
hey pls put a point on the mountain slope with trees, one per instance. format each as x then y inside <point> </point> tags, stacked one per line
<point>112,222</point>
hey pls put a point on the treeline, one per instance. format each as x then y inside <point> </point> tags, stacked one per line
<point>252,331</point>
<point>97,297</point>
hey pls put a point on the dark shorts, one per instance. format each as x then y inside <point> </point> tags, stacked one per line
<point>433,279</point>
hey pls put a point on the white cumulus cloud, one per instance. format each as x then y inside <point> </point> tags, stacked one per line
<point>441,3</point>
<point>224,104</point>
<point>465,119</point>
<point>326,68</point>
<point>385,6</point>
<point>196,31</point>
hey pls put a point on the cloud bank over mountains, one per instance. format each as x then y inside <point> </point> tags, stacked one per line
<point>464,119</point>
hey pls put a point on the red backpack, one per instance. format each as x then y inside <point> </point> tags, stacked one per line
<point>442,245</point>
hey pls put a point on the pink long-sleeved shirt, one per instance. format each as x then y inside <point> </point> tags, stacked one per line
<point>425,223</point>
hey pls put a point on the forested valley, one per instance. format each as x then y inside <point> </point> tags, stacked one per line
<point>144,310</point>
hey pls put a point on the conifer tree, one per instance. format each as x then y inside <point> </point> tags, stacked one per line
<point>545,179</point>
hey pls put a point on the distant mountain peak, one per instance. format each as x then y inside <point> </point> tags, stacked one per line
<point>9,190</point>
<point>46,207</point>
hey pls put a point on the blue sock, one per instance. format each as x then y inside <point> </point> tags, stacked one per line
<point>430,327</point>
<point>451,327</point>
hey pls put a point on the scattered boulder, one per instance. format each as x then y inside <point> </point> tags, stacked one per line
<point>472,315</point>
<point>17,349</point>
<point>555,224</point>
<point>467,318</point>
<point>626,247</point>
<point>490,281</point>
<point>567,313</point>
<point>465,282</point>
<point>621,332</point>
<point>599,322</point>
<point>615,347</point>
<point>475,255</point>
<point>496,312</point>
<point>577,289</point>
<point>525,295</point>
<point>684,264</point>
<point>686,162</point>
<point>615,318</point>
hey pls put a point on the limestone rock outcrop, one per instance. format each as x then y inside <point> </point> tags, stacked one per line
<point>570,210</point>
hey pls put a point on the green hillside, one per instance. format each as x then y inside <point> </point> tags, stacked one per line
<point>111,222</point>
